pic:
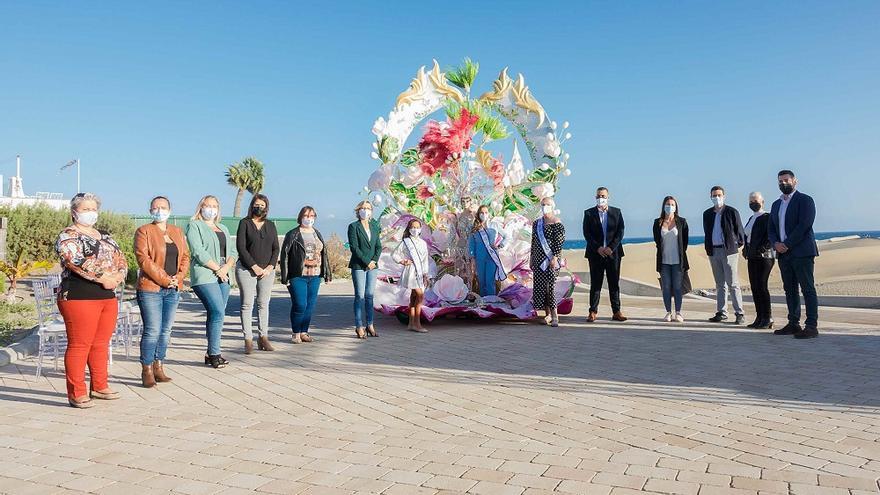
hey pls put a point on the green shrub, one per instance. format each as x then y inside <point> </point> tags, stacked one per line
<point>34,229</point>
<point>13,317</point>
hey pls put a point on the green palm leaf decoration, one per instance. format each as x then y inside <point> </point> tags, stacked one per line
<point>464,75</point>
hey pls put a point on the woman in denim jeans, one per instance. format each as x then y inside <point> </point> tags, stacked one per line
<point>671,240</point>
<point>365,245</point>
<point>163,258</point>
<point>304,263</point>
<point>213,256</point>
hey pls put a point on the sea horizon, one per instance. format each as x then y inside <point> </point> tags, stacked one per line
<point>698,239</point>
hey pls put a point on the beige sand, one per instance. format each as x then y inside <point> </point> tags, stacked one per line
<point>848,267</point>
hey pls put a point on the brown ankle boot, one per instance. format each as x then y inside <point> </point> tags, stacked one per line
<point>264,344</point>
<point>147,377</point>
<point>248,346</point>
<point>159,372</point>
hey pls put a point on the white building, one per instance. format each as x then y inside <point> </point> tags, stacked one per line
<point>14,195</point>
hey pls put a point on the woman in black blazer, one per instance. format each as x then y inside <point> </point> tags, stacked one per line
<point>671,238</point>
<point>758,251</point>
<point>366,246</point>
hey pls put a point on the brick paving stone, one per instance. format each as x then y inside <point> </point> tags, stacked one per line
<point>481,406</point>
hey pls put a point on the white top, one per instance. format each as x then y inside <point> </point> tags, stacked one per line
<point>751,223</point>
<point>417,252</point>
<point>783,207</point>
<point>669,243</point>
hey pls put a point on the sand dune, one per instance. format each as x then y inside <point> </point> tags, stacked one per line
<point>844,267</point>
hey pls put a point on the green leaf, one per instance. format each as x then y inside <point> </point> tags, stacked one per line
<point>388,148</point>
<point>410,157</point>
<point>464,75</point>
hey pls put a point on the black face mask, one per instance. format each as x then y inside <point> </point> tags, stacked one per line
<point>258,211</point>
<point>755,206</point>
<point>786,188</point>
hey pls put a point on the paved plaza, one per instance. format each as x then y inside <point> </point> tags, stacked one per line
<point>471,407</point>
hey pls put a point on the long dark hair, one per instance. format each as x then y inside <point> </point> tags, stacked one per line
<point>663,211</point>
<point>258,197</point>
<point>478,222</point>
<point>409,225</point>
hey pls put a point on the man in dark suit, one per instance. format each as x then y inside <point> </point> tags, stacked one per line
<point>723,238</point>
<point>603,231</point>
<point>791,232</point>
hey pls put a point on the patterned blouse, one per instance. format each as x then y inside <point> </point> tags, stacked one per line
<point>84,259</point>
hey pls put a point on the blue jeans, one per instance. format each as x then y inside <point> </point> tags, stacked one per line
<point>670,282</point>
<point>157,313</point>
<point>303,296</point>
<point>364,287</point>
<point>214,297</point>
<point>798,272</point>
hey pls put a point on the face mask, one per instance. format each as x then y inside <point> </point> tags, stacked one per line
<point>258,211</point>
<point>160,214</point>
<point>365,213</point>
<point>484,217</point>
<point>754,206</point>
<point>718,201</point>
<point>208,213</point>
<point>87,218</point>
<point>308,222</point>
<point>602,202</point>
<point>669,209</point>
<point>786,189</point>
<point>414,232</point>
<point>547,209</point>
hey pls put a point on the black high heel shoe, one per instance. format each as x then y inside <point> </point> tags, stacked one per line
<point>216,362</point>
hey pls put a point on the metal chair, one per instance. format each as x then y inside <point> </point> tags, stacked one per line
<point>128,322</point>
<point>51,325</point>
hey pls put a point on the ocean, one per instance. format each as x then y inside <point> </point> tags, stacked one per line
<point>698,239</point>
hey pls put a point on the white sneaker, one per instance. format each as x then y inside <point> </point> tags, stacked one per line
<point>679,318</point>
<point>668,317</point>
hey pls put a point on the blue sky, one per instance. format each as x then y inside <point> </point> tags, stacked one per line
<point>663,97</point>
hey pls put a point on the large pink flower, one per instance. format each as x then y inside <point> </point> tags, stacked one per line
<point>443,139</point>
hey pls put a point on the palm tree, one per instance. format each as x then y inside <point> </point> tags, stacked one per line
<point>246,175</point>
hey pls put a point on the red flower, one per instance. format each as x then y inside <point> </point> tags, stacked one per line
<point>442,140</point>
<point>424,193</point>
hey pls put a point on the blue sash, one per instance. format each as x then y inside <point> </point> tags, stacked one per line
<point>545,246</point>
<point>500,274</point>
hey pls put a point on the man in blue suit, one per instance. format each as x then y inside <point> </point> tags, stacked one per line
<point>791,233</point>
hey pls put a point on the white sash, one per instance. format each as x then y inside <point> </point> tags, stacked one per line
<point>548,253</point>
<point>500,274</point>
<point>416,258</point>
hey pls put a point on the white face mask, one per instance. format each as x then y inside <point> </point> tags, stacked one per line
<point>160,214</point>
<point>365,213</point>
<point>602,202</point>
<point>484,217</point>
<point>308,222</point>
<point>209,213</point>
<point>414,232</point>
<point>548,209</point>
<point>718,201</point>
<point>87,218</point>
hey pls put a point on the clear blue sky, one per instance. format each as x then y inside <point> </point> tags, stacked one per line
<point>663,97</point>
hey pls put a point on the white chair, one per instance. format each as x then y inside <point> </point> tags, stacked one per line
<point>54,280</point>
<point>128,322</point>
<point>51,331</point>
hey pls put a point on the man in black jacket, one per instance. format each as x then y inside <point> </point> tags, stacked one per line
<point>603,231</point>
<point>723,238</point>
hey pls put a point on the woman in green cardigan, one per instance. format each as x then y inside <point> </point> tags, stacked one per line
<point>213,256</point>
<point>365,245</point>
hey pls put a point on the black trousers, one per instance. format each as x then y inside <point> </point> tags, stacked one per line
<point>759,275</point>
<point>798,272</point>
<point>599,268</point>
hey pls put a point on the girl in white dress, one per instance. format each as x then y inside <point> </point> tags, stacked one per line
<point>412,253</point>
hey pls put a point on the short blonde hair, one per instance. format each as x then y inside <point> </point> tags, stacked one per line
<point>361,205</point>
<point>198,214</point>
